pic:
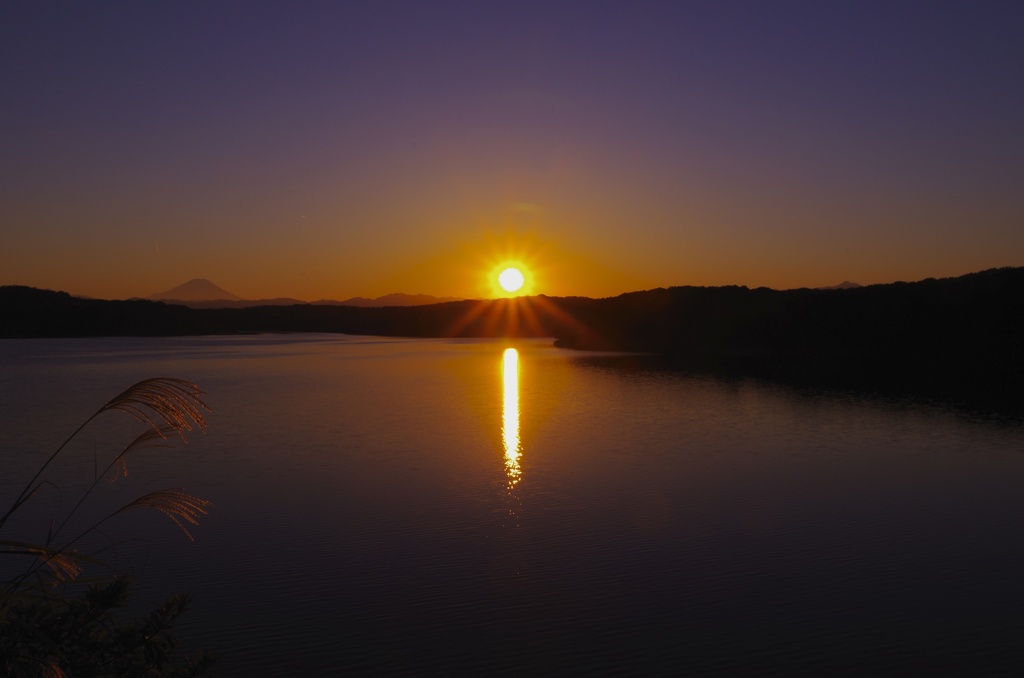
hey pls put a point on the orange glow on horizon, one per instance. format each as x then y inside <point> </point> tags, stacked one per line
<point>521,251</point>
<point>502,283</point>
<point>468,267</point>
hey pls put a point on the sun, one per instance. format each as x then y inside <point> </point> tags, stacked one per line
<point>511,279</point>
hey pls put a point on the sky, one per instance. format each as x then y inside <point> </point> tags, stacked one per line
<point>333,149</point>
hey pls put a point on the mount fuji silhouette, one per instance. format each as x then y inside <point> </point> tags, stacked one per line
<point>197,289</point>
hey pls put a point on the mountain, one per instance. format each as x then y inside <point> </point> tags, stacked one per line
<point>845,285</point>
<point>197,289</point>
<point>395,299</point>
<point>936,323</point>
<point>201,293</point>
<point>236,303</point>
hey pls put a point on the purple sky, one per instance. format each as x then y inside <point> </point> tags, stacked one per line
<point>335,149</point>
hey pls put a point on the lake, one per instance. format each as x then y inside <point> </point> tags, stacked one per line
<point>454,507</point>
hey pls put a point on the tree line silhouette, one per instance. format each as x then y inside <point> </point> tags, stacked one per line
<point>978,314</point>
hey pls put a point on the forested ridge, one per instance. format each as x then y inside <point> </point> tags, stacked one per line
<point>979,312</point>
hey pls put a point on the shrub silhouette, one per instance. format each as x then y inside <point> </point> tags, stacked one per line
<point>46,631</point>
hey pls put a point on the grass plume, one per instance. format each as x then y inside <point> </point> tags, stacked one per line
<point>35,599</point>
<point>177,505</point>
<point>176,403</point>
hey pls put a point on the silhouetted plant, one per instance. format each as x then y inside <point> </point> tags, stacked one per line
<point>44,631</point>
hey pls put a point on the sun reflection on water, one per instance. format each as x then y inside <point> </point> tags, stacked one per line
<point>510,417</point>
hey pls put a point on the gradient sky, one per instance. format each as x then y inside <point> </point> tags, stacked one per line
<point>332,149</point>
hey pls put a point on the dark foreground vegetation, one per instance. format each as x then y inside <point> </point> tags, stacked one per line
<point>980,313</point>
<point>62,607</point>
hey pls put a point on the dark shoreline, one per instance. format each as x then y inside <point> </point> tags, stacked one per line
<point>978,317</point>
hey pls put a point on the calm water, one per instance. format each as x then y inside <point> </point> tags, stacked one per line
<point>449,507</point>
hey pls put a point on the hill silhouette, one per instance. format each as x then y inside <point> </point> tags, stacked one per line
<point>197,289</point>
<point>202,293</point>
<point>980,314</point>
<point>394,299</point>
<point>845,285</point>
<point>955,341</point>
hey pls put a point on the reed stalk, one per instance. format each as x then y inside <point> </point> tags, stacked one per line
<point>30,601</point>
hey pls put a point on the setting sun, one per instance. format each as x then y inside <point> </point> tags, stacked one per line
<point>511,279</point>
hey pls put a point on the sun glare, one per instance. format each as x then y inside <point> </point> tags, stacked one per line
<point>511,279</point>
<point>510,265</point>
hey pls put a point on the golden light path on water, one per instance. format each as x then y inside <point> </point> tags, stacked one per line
<point>510,416</point>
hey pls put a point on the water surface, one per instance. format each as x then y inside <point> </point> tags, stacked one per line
<point>452,507</point>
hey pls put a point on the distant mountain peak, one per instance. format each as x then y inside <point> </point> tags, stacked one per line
<point>197,289</point>
<point>845,285</point>
<point>394,299</point>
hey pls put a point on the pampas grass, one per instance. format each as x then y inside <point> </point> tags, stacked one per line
<point>167,407</point>
<point>174,402</point>
<point>177,505</point>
